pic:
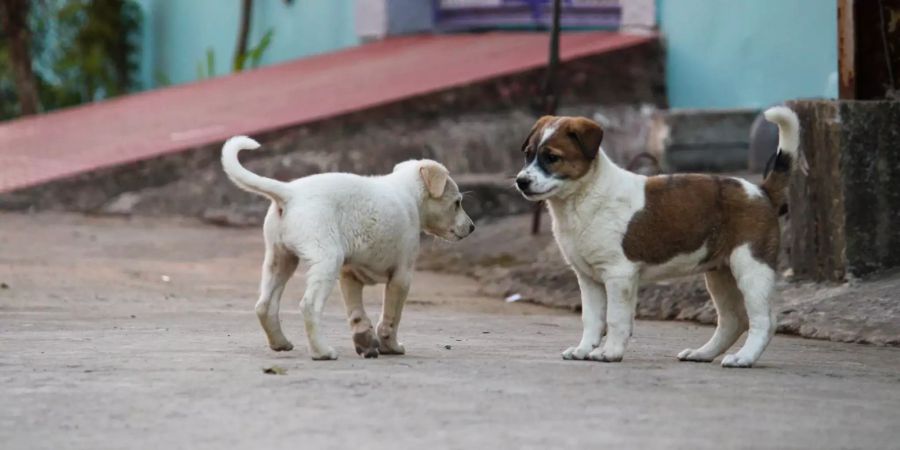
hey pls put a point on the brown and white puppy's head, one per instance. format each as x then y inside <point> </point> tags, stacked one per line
<point>559,151</point>
<point>441,209</point>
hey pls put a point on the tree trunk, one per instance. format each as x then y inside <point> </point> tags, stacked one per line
<point>13,20</point>
<point>243,34</point>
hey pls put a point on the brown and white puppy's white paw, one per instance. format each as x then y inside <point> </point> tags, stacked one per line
<point>578,352</point>
<point>607,354</point>
<point>736,362</point>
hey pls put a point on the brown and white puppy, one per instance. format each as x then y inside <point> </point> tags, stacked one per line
<point>617,229</point>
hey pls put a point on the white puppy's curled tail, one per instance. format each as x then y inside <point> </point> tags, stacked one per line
<point>247,180</point>
<point>787,158</point>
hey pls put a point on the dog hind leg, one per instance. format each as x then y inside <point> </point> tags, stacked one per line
<point>732,318</point>
<point>320,279</point>
<point>277,268</point>
<point>756,280</point>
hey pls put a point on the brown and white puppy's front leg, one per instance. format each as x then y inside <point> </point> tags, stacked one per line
<point>621,293</point>
<point>364,339</point>
<point>395,292</point>
<point>593,317</point>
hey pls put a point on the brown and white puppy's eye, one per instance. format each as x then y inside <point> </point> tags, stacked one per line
<point>551,158</point>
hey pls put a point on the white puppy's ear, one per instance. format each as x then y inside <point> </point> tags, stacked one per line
<point>435,177</point>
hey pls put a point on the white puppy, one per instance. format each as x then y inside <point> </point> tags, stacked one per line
<point>617,229</point>
<point>361,230</point>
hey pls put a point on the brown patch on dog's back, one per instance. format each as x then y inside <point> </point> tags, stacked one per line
<point>683,212</point>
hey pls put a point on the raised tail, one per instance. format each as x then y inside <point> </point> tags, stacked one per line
<point>247,180</point>
<point>786,158</point>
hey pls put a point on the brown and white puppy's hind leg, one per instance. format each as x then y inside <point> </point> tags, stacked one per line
<point>593,317</point>
<point>756,281</point>
<point>732,318</point>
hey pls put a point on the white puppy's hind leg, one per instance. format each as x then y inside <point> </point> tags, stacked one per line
<point>756,280</point>
<point>593,317</point>
<point>364,339</point>
<point>278,266</point>
<point>320,278</point>
<point>731,322</point>
<point>395,292</point>
<point>621,295</point>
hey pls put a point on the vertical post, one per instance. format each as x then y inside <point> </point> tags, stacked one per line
<point>846,50</point>
<point>240,52</point>
<point>548,91</point>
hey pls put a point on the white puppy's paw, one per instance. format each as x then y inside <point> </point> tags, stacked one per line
<point>282,346</point>
<point>391,347</point>
<point>325,354</point>
<point>735,361</point>
<point>577,353</point>
<point>692,355</point>
<point>607,354</point>
<point>366,343</point>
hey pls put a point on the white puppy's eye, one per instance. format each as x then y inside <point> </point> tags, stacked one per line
<point>459,204</point>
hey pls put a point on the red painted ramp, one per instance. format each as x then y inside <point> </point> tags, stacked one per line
<point>65,143</point>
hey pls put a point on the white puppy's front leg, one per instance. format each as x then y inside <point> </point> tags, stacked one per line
<point>593,317</point>
<point>622,298</point>
<point>395,292</point>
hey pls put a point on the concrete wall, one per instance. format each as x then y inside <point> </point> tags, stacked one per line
<point>177,33</point>
<point>749,53</point>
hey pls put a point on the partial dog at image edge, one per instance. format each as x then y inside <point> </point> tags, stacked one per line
<point>617,229</point>
<point>359,230</point>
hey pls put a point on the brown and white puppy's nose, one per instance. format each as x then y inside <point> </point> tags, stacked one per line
<point>523,183</point>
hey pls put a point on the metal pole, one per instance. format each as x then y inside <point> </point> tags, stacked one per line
<point>548,91</point>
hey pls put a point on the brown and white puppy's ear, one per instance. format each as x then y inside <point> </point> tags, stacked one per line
<point>538,127</point>
<point>587,134</point>
<point>435,177</point>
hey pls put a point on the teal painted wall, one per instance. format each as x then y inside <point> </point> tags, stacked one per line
<point>177,33</point>
<point>748,53</point>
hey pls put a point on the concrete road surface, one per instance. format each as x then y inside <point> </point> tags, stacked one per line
<point>127,333</point>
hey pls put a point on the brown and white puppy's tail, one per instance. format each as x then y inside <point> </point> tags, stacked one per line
<point>247,180</point>
<point>787,158</point>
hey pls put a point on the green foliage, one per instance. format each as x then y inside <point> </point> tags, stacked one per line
<point>210,70</point>
<point>207,69</point>
<point>254,54</point>
<point>83,51</point>
<point>99,48</point>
